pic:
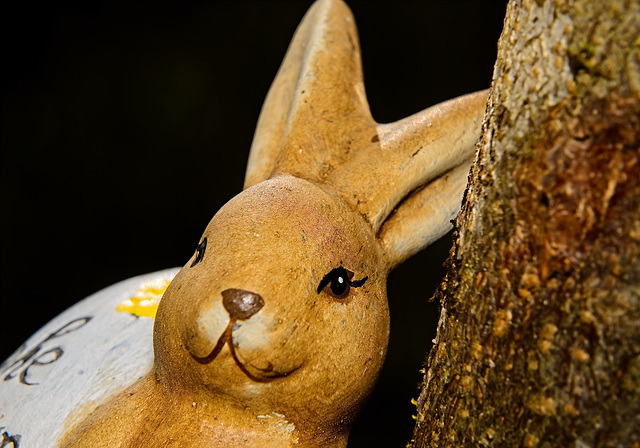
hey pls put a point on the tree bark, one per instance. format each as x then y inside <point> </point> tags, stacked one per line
<point>538,342</point>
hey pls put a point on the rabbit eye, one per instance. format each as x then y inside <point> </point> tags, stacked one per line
<point>200,252</point>
<point>338,282</point>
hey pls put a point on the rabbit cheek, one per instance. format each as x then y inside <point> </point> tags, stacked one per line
<point>261,351</point>
<point>210,325</point>
<point>251,335</point>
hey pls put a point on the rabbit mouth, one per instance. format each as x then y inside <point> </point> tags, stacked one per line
<point>227,339</point>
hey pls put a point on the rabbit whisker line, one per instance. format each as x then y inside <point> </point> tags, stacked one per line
<point>224,338</point>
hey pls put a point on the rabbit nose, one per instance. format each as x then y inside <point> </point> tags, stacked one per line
<point>241,304</point>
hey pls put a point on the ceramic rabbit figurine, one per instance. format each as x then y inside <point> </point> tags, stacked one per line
<point>274,332</point>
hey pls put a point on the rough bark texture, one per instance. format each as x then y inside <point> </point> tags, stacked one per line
<point>538,342</point>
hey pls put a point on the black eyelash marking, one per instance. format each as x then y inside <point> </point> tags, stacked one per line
<point>340,281</point>
<point>358,283</point>
<point>202,247</point>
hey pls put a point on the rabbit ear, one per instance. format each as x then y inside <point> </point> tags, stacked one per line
<point>425,216</point>
<point>411,153</point>
<point>316,106</point>
<point>316,125</point>
<point>438,146</point>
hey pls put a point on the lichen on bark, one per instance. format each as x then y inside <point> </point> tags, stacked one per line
<point>538,342</point>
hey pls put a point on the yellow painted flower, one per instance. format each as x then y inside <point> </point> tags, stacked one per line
<point>145,302</point>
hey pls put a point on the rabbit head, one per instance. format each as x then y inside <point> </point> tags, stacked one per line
<point>283,305</point>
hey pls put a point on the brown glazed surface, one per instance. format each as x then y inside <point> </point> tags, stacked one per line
<point>274,332</point>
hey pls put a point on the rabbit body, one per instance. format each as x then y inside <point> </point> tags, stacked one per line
<point>274,332</point>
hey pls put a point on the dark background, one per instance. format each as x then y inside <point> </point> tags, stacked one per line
<point>126,125</point>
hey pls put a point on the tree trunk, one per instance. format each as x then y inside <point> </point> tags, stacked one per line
<point>538,342</point>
